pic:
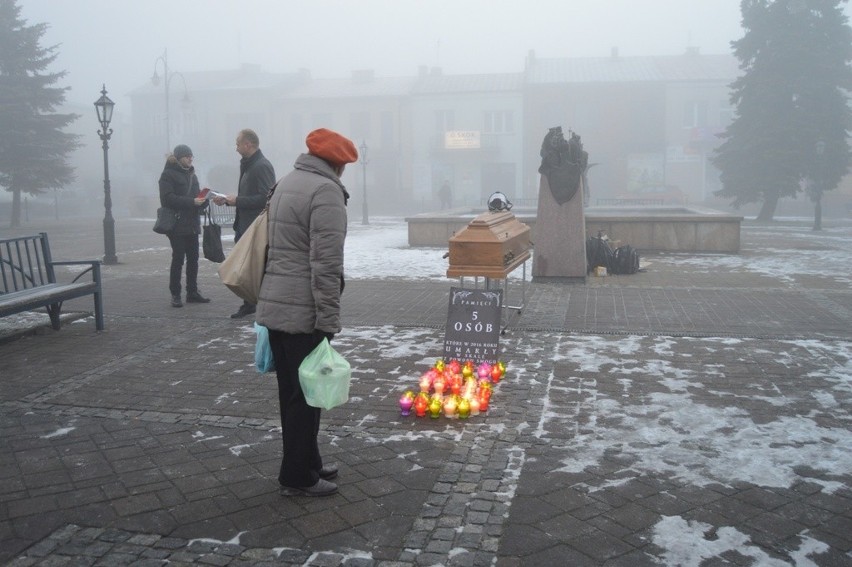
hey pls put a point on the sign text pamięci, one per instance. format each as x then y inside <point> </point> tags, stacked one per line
<point>473,325</point>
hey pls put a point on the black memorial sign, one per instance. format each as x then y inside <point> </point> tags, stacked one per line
<point>473,325</point>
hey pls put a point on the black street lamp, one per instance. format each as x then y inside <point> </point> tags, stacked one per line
<point>104,106</point>
<point>167,81</point>
<point>816,189</point>
<point>365,218</point>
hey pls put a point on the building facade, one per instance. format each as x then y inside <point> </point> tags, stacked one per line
<point>648,123</point>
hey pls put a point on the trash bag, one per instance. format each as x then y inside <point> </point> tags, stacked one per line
<point>324,376</point>
<point>263,360</point>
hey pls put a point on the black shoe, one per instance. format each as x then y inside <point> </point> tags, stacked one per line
<point>328,472</point>
<point>195,297</point>
<point>176,302</point>
<point>321,488</point>
<point>245,309</point>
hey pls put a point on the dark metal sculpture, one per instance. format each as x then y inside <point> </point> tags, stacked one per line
<point>563,163</point>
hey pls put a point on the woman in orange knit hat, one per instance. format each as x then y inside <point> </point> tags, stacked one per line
<point>300,295</point>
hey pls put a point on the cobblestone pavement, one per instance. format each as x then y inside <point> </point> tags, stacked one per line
<point>674,417</point>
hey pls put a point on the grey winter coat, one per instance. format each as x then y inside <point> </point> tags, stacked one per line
<point>304,269</point>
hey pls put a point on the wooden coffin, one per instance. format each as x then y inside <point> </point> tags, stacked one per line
<point>492,245</point>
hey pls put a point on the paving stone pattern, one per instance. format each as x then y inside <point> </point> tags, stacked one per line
<point>634,416</point>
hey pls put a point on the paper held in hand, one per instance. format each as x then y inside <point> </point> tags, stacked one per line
<point>208,194</point>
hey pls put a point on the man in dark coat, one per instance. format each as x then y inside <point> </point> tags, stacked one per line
<point>179,192</point>
<point>257,176</point>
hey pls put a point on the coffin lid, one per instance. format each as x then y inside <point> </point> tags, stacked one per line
<point>497,224</point>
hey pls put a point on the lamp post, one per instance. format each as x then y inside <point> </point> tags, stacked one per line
<point>365,218</point>
<point>104,106</point>
<point>167,81</point>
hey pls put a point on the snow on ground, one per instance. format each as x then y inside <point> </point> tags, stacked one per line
<point>380,250</point>
<point>827,252</point>
<point>699,432</point>
<point>633,400</point>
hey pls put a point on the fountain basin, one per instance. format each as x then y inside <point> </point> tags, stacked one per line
<point>663,229</point>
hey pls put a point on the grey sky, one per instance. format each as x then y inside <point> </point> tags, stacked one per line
<point>118,41</point>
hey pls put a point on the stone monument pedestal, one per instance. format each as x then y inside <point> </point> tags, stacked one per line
<point>559,249</point>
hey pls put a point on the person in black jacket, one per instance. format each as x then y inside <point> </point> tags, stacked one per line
<point>179,191</point>
<point>257,176</point>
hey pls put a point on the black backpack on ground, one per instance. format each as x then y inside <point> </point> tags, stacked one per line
<point>626,260</point>
<point>598,253</point>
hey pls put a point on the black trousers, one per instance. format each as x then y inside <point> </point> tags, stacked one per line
<point>184,246</point>
<point>301,460</point>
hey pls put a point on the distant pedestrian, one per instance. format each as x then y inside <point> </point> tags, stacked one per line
<point>179,191</point>
<point>300,295</point>
<point>256,178</point>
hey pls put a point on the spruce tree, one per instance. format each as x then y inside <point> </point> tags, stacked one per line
<point>793,119</point>
<point>33,146</point>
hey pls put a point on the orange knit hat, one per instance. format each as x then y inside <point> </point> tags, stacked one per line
<point>332,147</point>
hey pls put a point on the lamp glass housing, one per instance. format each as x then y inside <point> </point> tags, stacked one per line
<point>104,106</point>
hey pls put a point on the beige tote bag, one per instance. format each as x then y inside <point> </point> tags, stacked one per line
<point>242,271</point>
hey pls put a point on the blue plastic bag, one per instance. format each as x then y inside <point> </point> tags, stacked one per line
<point>263,360</point>
<point>324,376</point>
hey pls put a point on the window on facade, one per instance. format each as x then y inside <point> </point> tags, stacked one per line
<point>444,120</point>
<point>239,120</point>
<point>158,124</point>
<point>359,123</point>
<point>387,129</point>
<point>187,126</point>
<point>322,120</point>
<point>695,114</point>
<point>297,131</point>
<point>498,122</point>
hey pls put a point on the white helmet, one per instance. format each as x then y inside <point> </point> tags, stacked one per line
<point>498,202</point>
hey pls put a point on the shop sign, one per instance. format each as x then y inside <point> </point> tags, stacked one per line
<point>462,140</point>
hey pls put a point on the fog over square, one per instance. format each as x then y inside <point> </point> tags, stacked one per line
<point>117,42</point>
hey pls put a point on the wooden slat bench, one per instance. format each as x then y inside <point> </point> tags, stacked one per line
<point>29,279</point>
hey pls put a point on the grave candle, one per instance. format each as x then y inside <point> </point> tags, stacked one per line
<point>483,370</point>
<point>463,409</point>
<point>425,383</point>
<point>405,402</point>
<point>450,406</point>
<point>483,403</point>
<point>455,385</point>
<point>421,403</point>
<point>435,407</point>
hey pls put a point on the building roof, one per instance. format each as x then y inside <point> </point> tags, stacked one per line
<point>455,84</point>
<point>687,67</point>
<point>690,66</point>
<point>246,77</point>
<point>359,84</point>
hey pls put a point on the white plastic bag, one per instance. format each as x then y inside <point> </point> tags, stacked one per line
<point>324,376</point>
